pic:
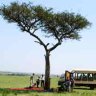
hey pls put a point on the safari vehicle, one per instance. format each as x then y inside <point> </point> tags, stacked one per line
<point>66,82</point>
<point>85,78</point>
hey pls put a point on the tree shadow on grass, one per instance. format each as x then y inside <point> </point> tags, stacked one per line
<point>82,88</point>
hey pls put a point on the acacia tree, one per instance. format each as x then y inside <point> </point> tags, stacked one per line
<point>60,26</point>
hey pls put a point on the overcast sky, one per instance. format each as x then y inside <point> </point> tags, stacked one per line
<point>19,52</point>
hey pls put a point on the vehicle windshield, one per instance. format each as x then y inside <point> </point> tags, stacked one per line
<point>62,76</point>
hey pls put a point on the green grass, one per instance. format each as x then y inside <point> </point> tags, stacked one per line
<point>74,93</point>
<point>14,81</point>
<point>23,81</point>
<point>20,81</point>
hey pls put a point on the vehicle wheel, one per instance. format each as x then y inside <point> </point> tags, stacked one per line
<point>91,87</point>
<point>59,89</point>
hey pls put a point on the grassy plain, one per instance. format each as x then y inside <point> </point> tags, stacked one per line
<point>23,81</point>
<point>14,81</point>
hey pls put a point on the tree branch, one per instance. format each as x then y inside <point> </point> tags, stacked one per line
<point>56,45</point>
<point>37,42</point>
<point>40,41</point>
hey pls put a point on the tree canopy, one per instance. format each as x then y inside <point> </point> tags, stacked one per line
<point>30,18</point>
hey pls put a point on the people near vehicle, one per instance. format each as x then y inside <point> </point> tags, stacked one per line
<point>42,80</point>
<point>72,83</point>
<point>38,81</point>
<point>68,84</point>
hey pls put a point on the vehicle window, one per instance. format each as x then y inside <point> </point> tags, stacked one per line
<point>95,76</point>
<point>62,76</point>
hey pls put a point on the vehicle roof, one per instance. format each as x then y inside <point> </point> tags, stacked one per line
<point>83,71</point>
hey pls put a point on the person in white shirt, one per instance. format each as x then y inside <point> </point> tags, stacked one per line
<point>32,79</point>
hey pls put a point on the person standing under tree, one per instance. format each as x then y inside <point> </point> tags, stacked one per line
<point>32,79</point>
<point>42,81</point>
<point>38,81</point>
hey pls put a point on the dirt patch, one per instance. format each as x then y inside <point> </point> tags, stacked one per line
<point>29,88</point>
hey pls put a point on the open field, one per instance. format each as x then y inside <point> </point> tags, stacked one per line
<point>13,81</point>
<point>23,81</point>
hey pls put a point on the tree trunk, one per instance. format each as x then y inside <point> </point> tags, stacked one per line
<point>47,71</point>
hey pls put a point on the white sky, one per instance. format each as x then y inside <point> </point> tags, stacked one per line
<point>19,53</point>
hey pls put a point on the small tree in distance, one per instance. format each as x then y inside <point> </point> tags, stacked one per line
<point>60,26</point>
